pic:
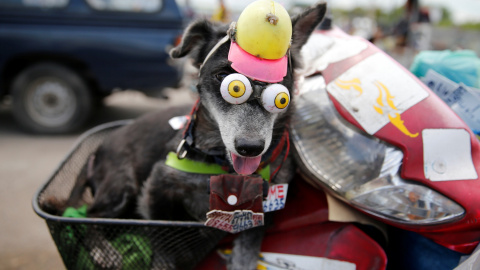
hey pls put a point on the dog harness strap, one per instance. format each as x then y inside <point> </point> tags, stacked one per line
<point>193,114</point>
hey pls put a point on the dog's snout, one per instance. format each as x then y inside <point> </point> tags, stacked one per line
<point>249,148</point>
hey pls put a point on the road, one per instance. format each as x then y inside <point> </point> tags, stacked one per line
<point>26,162</point>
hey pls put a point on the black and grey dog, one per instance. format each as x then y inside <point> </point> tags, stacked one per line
<point>128,175</point>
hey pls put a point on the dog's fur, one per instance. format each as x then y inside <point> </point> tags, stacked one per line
<point>117,171</point>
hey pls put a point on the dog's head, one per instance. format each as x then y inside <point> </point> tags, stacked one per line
<point>250,127</point>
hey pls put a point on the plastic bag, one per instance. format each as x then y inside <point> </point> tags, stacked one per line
<point>459,66</point>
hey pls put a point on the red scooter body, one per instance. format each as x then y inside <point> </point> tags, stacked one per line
<point>430,113</point>
<point>302,228</point>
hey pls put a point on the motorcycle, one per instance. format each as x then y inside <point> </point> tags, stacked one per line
<point>372,136</point>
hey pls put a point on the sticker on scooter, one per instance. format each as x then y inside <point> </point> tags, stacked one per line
<point>276,199</point>
<point>234,222</point>
<point>463,100</point>
<point>376,91</point>
<point>277,261</point>
<point>447,161</point>
<point>280,261</point>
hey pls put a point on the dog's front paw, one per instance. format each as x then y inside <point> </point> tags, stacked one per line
<point>246,249</point>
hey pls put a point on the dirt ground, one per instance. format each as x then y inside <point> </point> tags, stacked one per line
<point>27,161</point>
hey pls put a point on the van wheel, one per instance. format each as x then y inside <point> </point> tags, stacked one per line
<point>50,99</point>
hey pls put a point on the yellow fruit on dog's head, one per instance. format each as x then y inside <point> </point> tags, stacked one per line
<point>264,29</point>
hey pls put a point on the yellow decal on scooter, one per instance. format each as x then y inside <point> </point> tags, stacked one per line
<point>397,120</point>
<point>384,101</point>
<point>399,123</point>
<point>385,88</point>
<point>389,98</point>
<point>347,85</point>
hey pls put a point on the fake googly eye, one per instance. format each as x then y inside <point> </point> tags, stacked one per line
<point>275,98</point>
<point>236,88</point>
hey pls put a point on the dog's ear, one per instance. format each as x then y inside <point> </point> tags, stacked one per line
<point>197,38</point>
<point>303,25</point>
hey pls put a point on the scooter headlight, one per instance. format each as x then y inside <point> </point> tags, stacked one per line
<point>359,168</point>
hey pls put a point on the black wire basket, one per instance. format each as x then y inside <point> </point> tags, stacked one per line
<point>99,243</point>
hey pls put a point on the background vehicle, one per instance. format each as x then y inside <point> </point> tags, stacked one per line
<point>59,57</point>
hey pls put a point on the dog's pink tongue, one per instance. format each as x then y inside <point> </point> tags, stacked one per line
<point>245,165</point>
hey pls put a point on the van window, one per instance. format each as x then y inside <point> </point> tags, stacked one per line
<point>33,3</point>
<point>147,6</point>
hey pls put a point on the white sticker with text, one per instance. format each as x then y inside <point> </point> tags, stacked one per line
<point>276,199</point>
<point>278,261</point>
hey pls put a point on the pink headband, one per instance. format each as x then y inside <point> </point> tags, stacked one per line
<point>265,70</point>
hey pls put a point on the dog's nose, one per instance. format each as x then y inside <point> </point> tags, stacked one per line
<point>249,148</point>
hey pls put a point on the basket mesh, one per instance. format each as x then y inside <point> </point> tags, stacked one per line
<point>118,244</point>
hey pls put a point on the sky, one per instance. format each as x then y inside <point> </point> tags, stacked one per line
<point>462,10</point>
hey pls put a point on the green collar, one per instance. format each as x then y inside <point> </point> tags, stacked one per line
<point>192,166</point>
